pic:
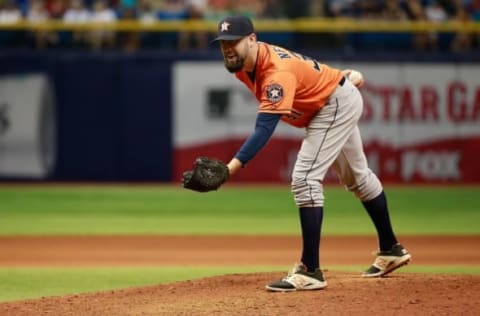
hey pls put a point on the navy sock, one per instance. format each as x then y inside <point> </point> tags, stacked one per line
<point>378,211</point>
<point>311,223</point>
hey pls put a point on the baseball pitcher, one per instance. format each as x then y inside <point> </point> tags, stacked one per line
<point>304,93</point>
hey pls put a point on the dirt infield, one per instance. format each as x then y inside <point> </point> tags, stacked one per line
<point>244,294</point>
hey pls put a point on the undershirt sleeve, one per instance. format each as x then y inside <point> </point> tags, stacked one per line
<point>264,127</point>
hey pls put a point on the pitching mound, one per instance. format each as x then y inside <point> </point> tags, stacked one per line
<point>244,294</point>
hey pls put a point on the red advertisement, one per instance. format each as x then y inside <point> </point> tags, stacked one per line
<point>420,124</point>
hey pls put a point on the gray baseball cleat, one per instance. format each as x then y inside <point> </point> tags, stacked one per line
<point>388,261</point>
<point>298,279</point>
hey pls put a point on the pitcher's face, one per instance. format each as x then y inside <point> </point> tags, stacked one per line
<point>235,53</point>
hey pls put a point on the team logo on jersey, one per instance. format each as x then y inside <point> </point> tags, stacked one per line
<point>274,92</point>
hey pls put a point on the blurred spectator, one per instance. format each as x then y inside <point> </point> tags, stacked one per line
<point>370,9</point>
<point>196,39</point>
<point>317,8</point>
<point>173,10</point>
<point>337,40</point>
<point>434,12</point>
<point>10,12</point>
<point>127,4</point>
<point>448,6</point>
<point>56,8</point>
<point>416,12</point>
<point>273,9</point>
<point>250,8</point>
<point>76,13</point>
<point>102,14</point>
<point>196,8</point>
<point>339,8</point>
<point>128,40</point>
<point>216,10</point>
<point>299,8</point>
<point>146,12</point>
<point>37,13</point>
<point>474,9</point>
<point>393,11</point>
<point>463,40</point>
<point>23,6</point>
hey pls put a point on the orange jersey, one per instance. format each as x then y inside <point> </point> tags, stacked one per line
<point>290,84</point>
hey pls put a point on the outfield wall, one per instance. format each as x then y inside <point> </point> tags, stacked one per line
<point>421,122</point>
<point>145,117</point>
<point>112,115</point>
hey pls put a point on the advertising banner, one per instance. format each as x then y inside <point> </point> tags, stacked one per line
<point>27,126</point>
<point>421,122</point>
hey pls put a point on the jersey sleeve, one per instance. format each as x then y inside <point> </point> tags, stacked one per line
<point>264,127</point>
<point>277,93</point>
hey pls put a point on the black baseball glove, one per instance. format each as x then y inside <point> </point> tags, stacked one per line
<point>208,174</point>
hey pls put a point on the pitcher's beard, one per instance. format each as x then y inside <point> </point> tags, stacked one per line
<point>233,67</point>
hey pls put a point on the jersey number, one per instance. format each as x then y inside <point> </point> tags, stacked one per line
<point>282,53</point>
<point>316,64</point>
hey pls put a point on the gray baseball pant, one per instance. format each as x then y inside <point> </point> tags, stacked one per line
<point>333,140</point>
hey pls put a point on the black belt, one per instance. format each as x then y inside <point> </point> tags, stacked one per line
<point>342,81</point>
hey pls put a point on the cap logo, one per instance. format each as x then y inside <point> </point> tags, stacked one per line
<point>224,26</point>
<point>274,92</point>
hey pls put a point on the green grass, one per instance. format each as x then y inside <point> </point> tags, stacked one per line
<point>104,209</point>
<point>109,209</point>
<point>25,283</point>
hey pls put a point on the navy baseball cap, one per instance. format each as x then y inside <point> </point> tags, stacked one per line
<point>234,27</point>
